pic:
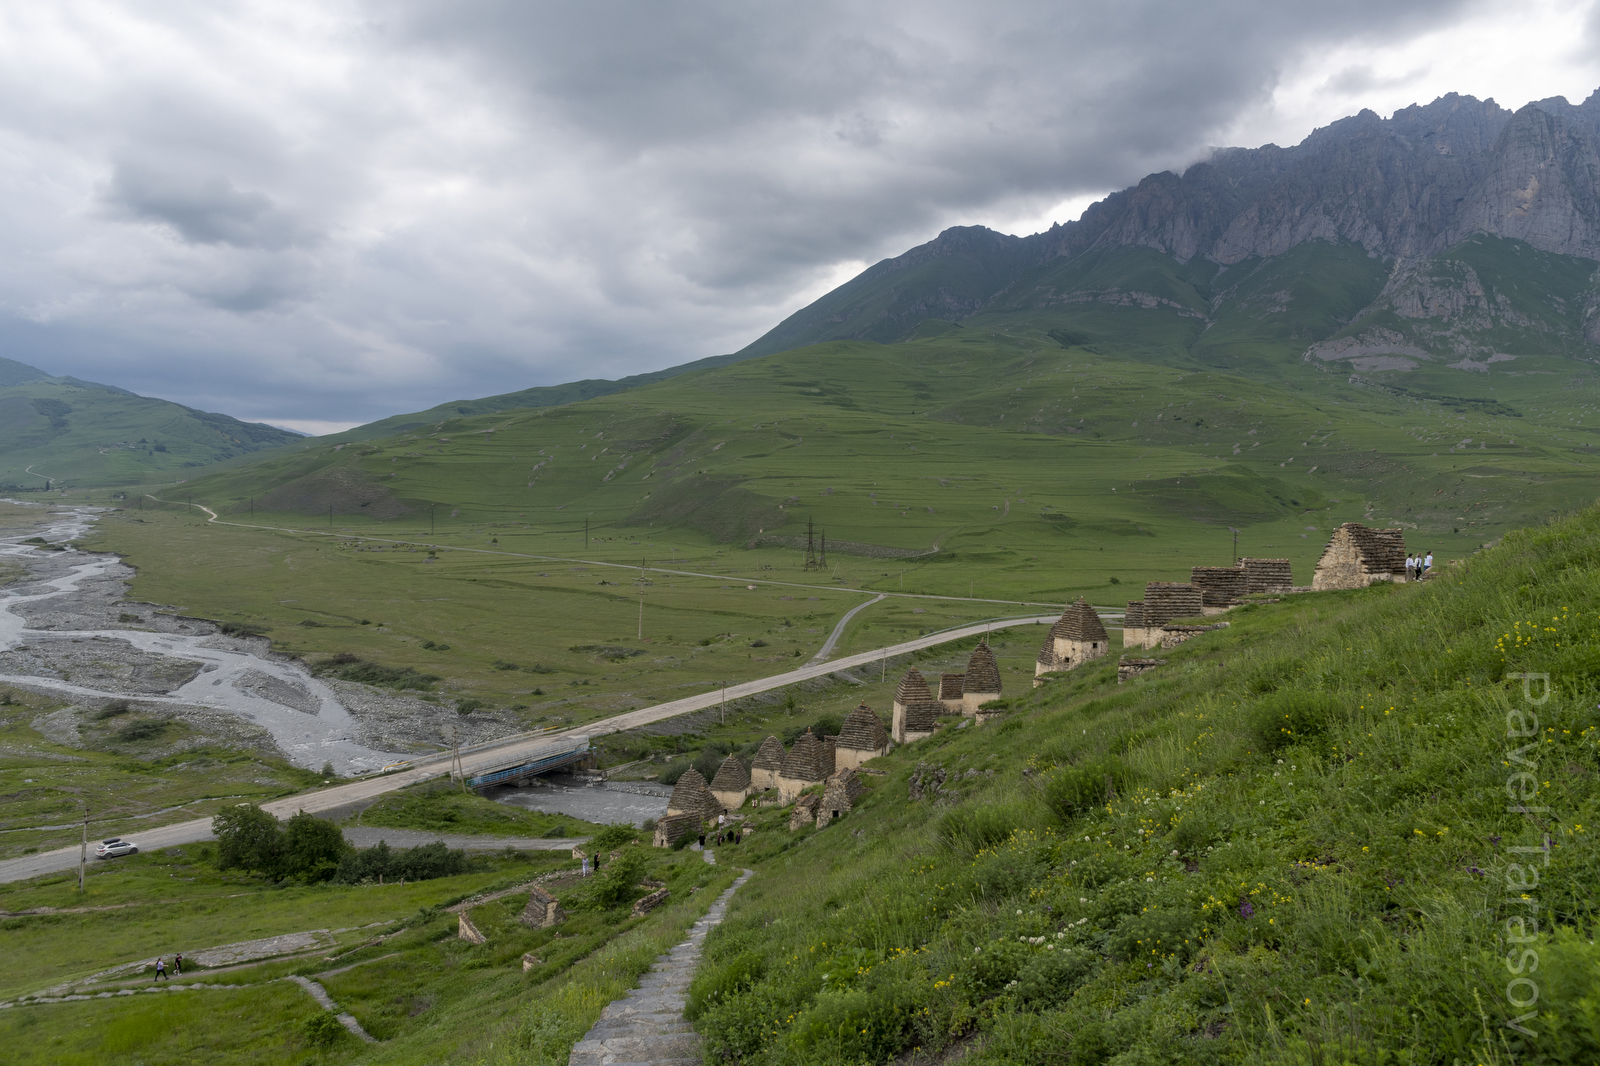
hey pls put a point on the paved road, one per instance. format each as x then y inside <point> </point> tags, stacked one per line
<point>502,753</point>
<point>838,630</point>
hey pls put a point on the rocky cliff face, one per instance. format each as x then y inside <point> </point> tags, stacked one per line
<point>1405,189</point>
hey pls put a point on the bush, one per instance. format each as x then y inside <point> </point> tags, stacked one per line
<point>421,863</point>
<point>312,848</point>
<point>112,709</point>
<point>620,880</point>
<point>1290,717</point>
<point>143,729</point>
<point>1078,789</point>
<point>613,836</point>
<point>467,706</point>
<point>348,667</point>
<point>248,838</point>
<point>322,1030</point>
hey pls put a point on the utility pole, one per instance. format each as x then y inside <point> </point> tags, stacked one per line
<point>724,703</point>
<point>430,519</point>
<point>641,599</point>
<point>811,546</point>
<point>883,673</point>
<point>330,516</point>
<point>585,534</point>
<point>1235,533</point>
<point>83,852</point>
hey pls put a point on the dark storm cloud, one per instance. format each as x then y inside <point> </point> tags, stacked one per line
<point>200,208</point>
<point>341,209</point>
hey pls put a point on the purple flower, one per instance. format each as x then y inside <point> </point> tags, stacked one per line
<point>1245,910</point>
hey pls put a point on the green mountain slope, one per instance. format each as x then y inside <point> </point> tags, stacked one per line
<point>1290,843</point>
<point>60,429</point>
<point>1066,464</point>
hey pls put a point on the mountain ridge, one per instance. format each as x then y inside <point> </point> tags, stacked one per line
<point>1404,188</point>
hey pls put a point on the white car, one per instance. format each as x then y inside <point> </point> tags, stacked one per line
<point>110,849</point>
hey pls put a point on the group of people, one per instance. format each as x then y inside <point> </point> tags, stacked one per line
<point>161,967</point>
<point>1418,566</point>
<point>724,835</point>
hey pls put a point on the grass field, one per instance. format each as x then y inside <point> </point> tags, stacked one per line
<point>47,786</point>
<point>421,991</point>
<point>1292,843</point>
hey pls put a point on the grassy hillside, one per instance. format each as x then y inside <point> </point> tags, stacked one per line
<point>72,432</point>
<point>1291,843</point>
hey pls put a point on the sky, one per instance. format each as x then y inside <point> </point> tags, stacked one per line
<point>317,214</point>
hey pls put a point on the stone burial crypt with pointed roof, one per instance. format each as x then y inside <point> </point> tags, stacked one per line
<point>1077,637</point>
<point>808,763</point>
<point>916,711</point>
<point>981,682</point>
<point>862,737</point>
<point>731,785</point>
<point>691,796</point>
<point>765,766</point>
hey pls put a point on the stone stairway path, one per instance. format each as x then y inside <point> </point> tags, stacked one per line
<point>646,1027</point>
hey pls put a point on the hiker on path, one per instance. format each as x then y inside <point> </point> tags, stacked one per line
<point>1427,564</point>
<point>585,866</point>
<point>1411,568</point>
<point>161,970</point>
<point>177,964</point>
<point>597,862</point>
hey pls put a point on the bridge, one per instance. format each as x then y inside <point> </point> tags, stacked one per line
<point>543,759</point>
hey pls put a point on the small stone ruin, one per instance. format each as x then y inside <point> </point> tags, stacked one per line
<point>840,795</point>
<point>542,910</point>
<point>862,737</point>
<point>1358,556</point>
<point>1077,637</point>
<point>765,766</point>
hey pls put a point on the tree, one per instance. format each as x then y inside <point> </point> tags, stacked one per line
<point>312,848</point>
<point>248,838</point>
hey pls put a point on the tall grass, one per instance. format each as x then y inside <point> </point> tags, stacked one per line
<point>1291,843</point>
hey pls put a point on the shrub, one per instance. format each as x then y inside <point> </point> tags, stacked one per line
<point>322,1030</point>
<point>1290,717</point>
<point>112,709</point>
<point>1075,790</point>
<point>312,848</point>
<point>613,836</point>
<point>248,838</point>
<point>467,706</point>
<point>348,667</point>
<point>421,863</point>
<point>143,729</point>
<point>618,881</point>
<point>1050,977</point>
<point>241,629</point>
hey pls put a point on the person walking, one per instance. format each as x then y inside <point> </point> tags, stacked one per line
<point>161,970</point>
<point>597,862</point>
<point>585,866</point>
<point>177,964</point>
<point>1411,568</point>
<point>1427,564</point>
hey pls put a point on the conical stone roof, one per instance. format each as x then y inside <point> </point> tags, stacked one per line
<point>691,796</point>
<point>769,756</point>
<point>731,776</point>
<point>863,731</point>
<point>805,760</point>
<point>913,688</point>
<point>983,673</point>
<point>1079,622</point>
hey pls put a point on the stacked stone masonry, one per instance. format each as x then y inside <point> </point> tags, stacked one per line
<point>862,737</point>
<point>1358,556</point>
<point>1077,637</point>
<point>731,785</point>
<point>764,768</point>
<point>916,711</point>
<point>981,682</point>
<point>1220,586</point>
<point>1266,575</point>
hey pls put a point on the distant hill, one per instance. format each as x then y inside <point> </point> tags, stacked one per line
<point>65,430</point>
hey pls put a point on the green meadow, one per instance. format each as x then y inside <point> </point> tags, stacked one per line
<point>1291,843</point>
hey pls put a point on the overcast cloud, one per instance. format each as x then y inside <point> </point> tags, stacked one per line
<point>324,213</point>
